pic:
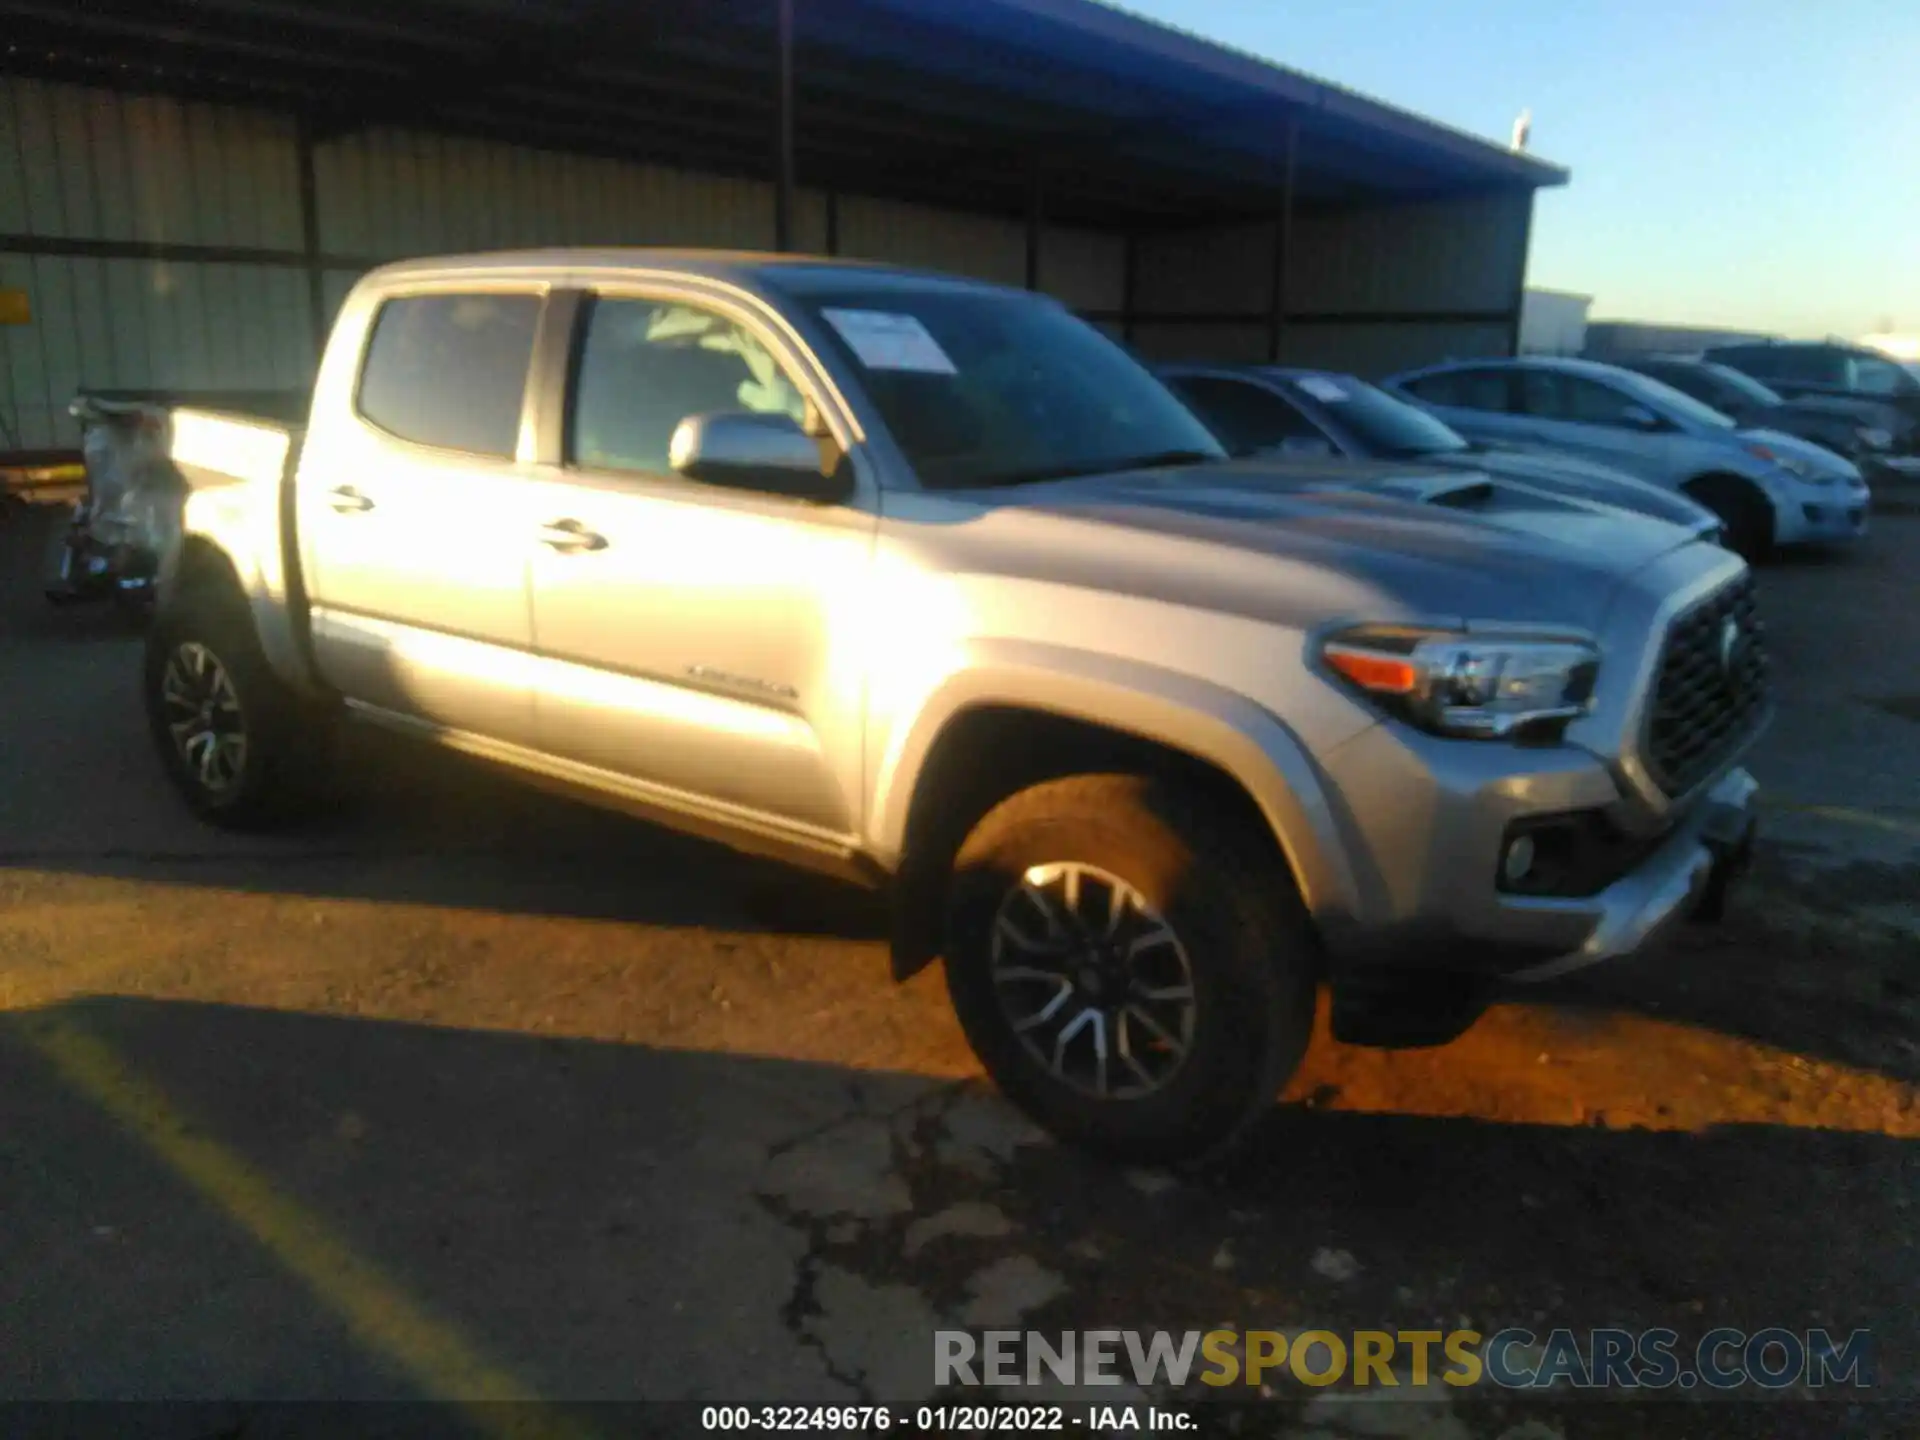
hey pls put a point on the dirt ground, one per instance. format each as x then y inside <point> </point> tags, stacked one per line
<point>469,1094</point>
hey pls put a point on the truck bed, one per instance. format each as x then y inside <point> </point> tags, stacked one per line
<point>145,457</point>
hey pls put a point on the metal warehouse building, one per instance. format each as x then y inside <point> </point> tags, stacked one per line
<point>188,187</point>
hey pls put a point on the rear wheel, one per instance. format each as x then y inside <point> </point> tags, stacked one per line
<point>1136,974</point>
<point>1742,508</point>
<point>241,747</point>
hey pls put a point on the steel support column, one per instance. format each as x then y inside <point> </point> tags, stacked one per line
<point>310,231</point>
<point>1036,218</point>
<point>783,183</point>
<point>1520,280</point>
<point>1282,244</point>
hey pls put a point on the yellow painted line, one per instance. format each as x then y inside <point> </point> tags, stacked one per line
<point>1848,815</point>
<point>380,1315</point>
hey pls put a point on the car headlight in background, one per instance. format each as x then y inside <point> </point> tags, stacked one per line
<point>1871,439</point>
<point>1795,465</point>
<point>1482,687</point>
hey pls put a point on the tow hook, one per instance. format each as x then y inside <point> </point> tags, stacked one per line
<point>1731,860</point>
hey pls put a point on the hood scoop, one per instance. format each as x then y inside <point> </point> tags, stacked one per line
<point>1456,491</point>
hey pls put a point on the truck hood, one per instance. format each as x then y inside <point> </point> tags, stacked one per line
<point>1308,541</point>
<point>1581,480</point>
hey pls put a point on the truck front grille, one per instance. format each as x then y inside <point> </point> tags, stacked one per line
<point>1711,692</point>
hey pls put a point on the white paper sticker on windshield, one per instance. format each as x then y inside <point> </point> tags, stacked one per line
<point>1321,388</point>
<point>884,340</point>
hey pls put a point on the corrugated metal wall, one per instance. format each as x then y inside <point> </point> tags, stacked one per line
<point>1229,271</point>
<point>1085,268</point>
<point>1449,256</point>
<point>88,170</point>
<point>385,194</point>
<point>1379,348</point>
<point>1360,284</point>
<point>1239,343</point>
<point>92,165</point>
<point>225,305</point>
<point>983,245</point>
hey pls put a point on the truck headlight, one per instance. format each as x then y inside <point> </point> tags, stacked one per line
<point>1482,687</point>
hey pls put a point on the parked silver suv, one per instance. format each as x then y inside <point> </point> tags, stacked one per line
<point>926,583</point>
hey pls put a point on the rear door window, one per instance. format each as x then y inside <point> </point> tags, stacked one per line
<point>1555,395</point>
<point>1540,395</point>
<point>450,370</point>
<point>1589,402</point>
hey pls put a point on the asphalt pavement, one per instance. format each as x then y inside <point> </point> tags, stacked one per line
<point>472,1095</point>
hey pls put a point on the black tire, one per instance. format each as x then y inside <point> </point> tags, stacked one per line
<point>278,775</point>
<point>60,569</point>
<point>1241,933</point>
<point>1747,514</point>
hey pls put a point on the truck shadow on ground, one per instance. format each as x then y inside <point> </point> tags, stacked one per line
<point>227,1202</point>
<point>411,826</point>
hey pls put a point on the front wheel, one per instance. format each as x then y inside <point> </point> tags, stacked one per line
<point>1134,974</point>
<point>241,748</point>
<point>1743,509</point>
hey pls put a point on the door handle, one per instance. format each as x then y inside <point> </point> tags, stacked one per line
<point>347,500</point>
<point>570,536</point>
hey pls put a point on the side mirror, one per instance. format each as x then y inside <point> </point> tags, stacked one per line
<point>1638,417</point>
<point>747,451</point>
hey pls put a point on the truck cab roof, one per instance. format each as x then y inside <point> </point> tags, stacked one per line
<point>790,271</point>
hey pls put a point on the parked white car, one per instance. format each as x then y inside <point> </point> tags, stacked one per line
<point>1769,488</point>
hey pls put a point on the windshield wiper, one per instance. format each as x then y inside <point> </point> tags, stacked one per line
<point>1100,467</point>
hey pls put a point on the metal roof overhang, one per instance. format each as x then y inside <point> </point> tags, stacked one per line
<point>979,104</point>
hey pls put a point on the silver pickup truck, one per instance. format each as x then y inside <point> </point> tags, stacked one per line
<point>927,584</point>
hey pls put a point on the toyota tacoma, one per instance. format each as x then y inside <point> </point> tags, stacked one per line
<point>925,583</point>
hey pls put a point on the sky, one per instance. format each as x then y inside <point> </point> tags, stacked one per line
<point>1746,163</point>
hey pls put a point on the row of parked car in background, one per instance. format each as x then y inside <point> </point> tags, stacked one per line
<point>1700,440</point>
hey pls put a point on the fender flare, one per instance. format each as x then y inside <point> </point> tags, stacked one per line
<point>242,524</point>
<point>1186,715</point>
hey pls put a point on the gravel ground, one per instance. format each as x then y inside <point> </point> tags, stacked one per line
<point>472,1094</point>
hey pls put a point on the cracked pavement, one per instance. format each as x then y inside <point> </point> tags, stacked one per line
<point>473,1091</point>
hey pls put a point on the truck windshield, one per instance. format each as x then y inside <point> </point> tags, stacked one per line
<point>1389,428</point>
<point>983,387</point>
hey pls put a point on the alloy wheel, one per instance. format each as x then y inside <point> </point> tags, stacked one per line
<point>1093,980</point>
<point>203,716</point>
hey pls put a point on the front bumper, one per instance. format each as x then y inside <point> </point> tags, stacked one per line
<point>1686,876</point>
<point>1823,514</point>
<point>1429,822</point>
